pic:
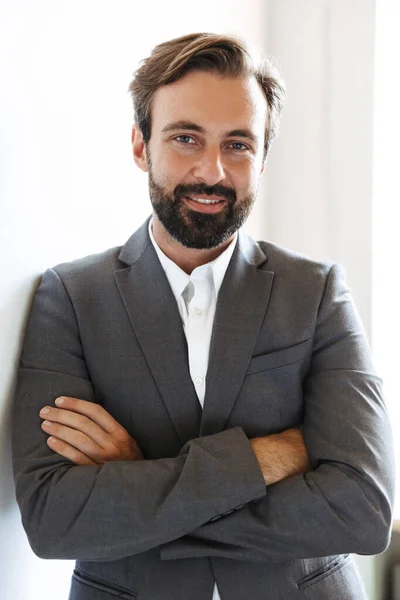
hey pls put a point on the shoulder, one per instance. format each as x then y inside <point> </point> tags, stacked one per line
<point>86,276</point>
<point>93,265</point>
<point>284,261</point>
<point>103,264</point>
<point>299,273</point>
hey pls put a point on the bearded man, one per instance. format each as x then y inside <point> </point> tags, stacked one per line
<point>197,414</point>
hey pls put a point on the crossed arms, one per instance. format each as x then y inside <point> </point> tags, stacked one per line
<point>86,434</point>
<point>123,504</point>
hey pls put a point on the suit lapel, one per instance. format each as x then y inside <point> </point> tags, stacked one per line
<point>155,318</point>
<point>154,315</point>
<point>241,308</point>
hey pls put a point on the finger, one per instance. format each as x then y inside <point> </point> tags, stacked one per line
<point>78,440</point>
<point>69,452</point>
<point>78,422</point>
<point>93,411</point>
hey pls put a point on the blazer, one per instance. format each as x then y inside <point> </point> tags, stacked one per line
<point>287,350</point>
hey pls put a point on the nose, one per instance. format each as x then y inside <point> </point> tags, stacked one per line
<point>209,167</point>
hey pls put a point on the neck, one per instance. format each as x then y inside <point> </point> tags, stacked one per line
<point>186,258</point>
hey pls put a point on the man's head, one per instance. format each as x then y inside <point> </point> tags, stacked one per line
<point>205,115</point>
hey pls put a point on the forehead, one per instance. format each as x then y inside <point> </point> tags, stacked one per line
<point>211,101</point>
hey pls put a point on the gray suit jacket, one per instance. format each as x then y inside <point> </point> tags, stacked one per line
<point>287,350</point>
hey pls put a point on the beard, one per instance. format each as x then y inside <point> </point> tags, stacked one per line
<point>196,229</point>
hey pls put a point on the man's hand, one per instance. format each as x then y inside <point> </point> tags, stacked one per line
<point>281,455</point>
<point>86,433</point>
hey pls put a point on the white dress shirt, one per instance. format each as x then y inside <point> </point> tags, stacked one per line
<point>196,295</point>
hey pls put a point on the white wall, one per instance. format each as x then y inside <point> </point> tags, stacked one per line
<point>386,219</point>
<point>68,185</point>
<point>320,171</point>
<point>386,208</point>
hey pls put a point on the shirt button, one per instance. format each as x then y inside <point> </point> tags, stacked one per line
<point>198,311</point>
<point>198,380</point>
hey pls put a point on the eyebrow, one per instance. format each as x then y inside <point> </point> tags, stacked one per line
<point>189,126</point>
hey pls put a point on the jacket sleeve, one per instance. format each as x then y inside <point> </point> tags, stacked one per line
<point>109,511</point>
<point>345,503</point>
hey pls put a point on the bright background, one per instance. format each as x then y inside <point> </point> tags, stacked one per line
<point>69,187</point>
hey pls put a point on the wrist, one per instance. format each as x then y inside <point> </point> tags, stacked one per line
<point>270,465</point>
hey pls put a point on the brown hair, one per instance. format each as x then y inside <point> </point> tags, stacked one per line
<point>227,55</point>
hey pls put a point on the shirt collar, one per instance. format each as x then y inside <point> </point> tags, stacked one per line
<point>178,279</point>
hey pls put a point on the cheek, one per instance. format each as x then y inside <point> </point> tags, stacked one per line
<point>247,180</point>
<point>172,167</point>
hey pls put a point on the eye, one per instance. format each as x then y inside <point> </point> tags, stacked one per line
<point>243,146</point>
<point>184,139</point>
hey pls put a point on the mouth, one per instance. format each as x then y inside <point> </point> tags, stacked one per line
<point>206,204</point>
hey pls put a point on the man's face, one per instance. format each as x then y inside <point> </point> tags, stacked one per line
<point>205,156</point>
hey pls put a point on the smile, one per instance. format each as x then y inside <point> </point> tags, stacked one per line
<point>205,200</point>
<point>205,205</point>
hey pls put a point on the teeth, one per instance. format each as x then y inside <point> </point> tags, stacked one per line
<point>205,200</point>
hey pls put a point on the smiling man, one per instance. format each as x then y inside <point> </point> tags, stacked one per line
<point>197,414</point>
<point>204,170</point>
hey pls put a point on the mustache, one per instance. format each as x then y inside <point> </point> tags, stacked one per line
<point>204,190</point>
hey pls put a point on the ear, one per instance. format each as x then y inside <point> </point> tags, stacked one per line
<point>139,148</point>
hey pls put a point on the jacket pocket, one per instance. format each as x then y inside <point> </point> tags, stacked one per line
<point>328,569</point>
<point>286,356</point>
<point>84,586</point>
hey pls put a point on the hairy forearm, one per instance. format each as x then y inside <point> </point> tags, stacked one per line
<point>281,455</point>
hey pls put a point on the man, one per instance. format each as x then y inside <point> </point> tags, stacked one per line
<point>212,425</point>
